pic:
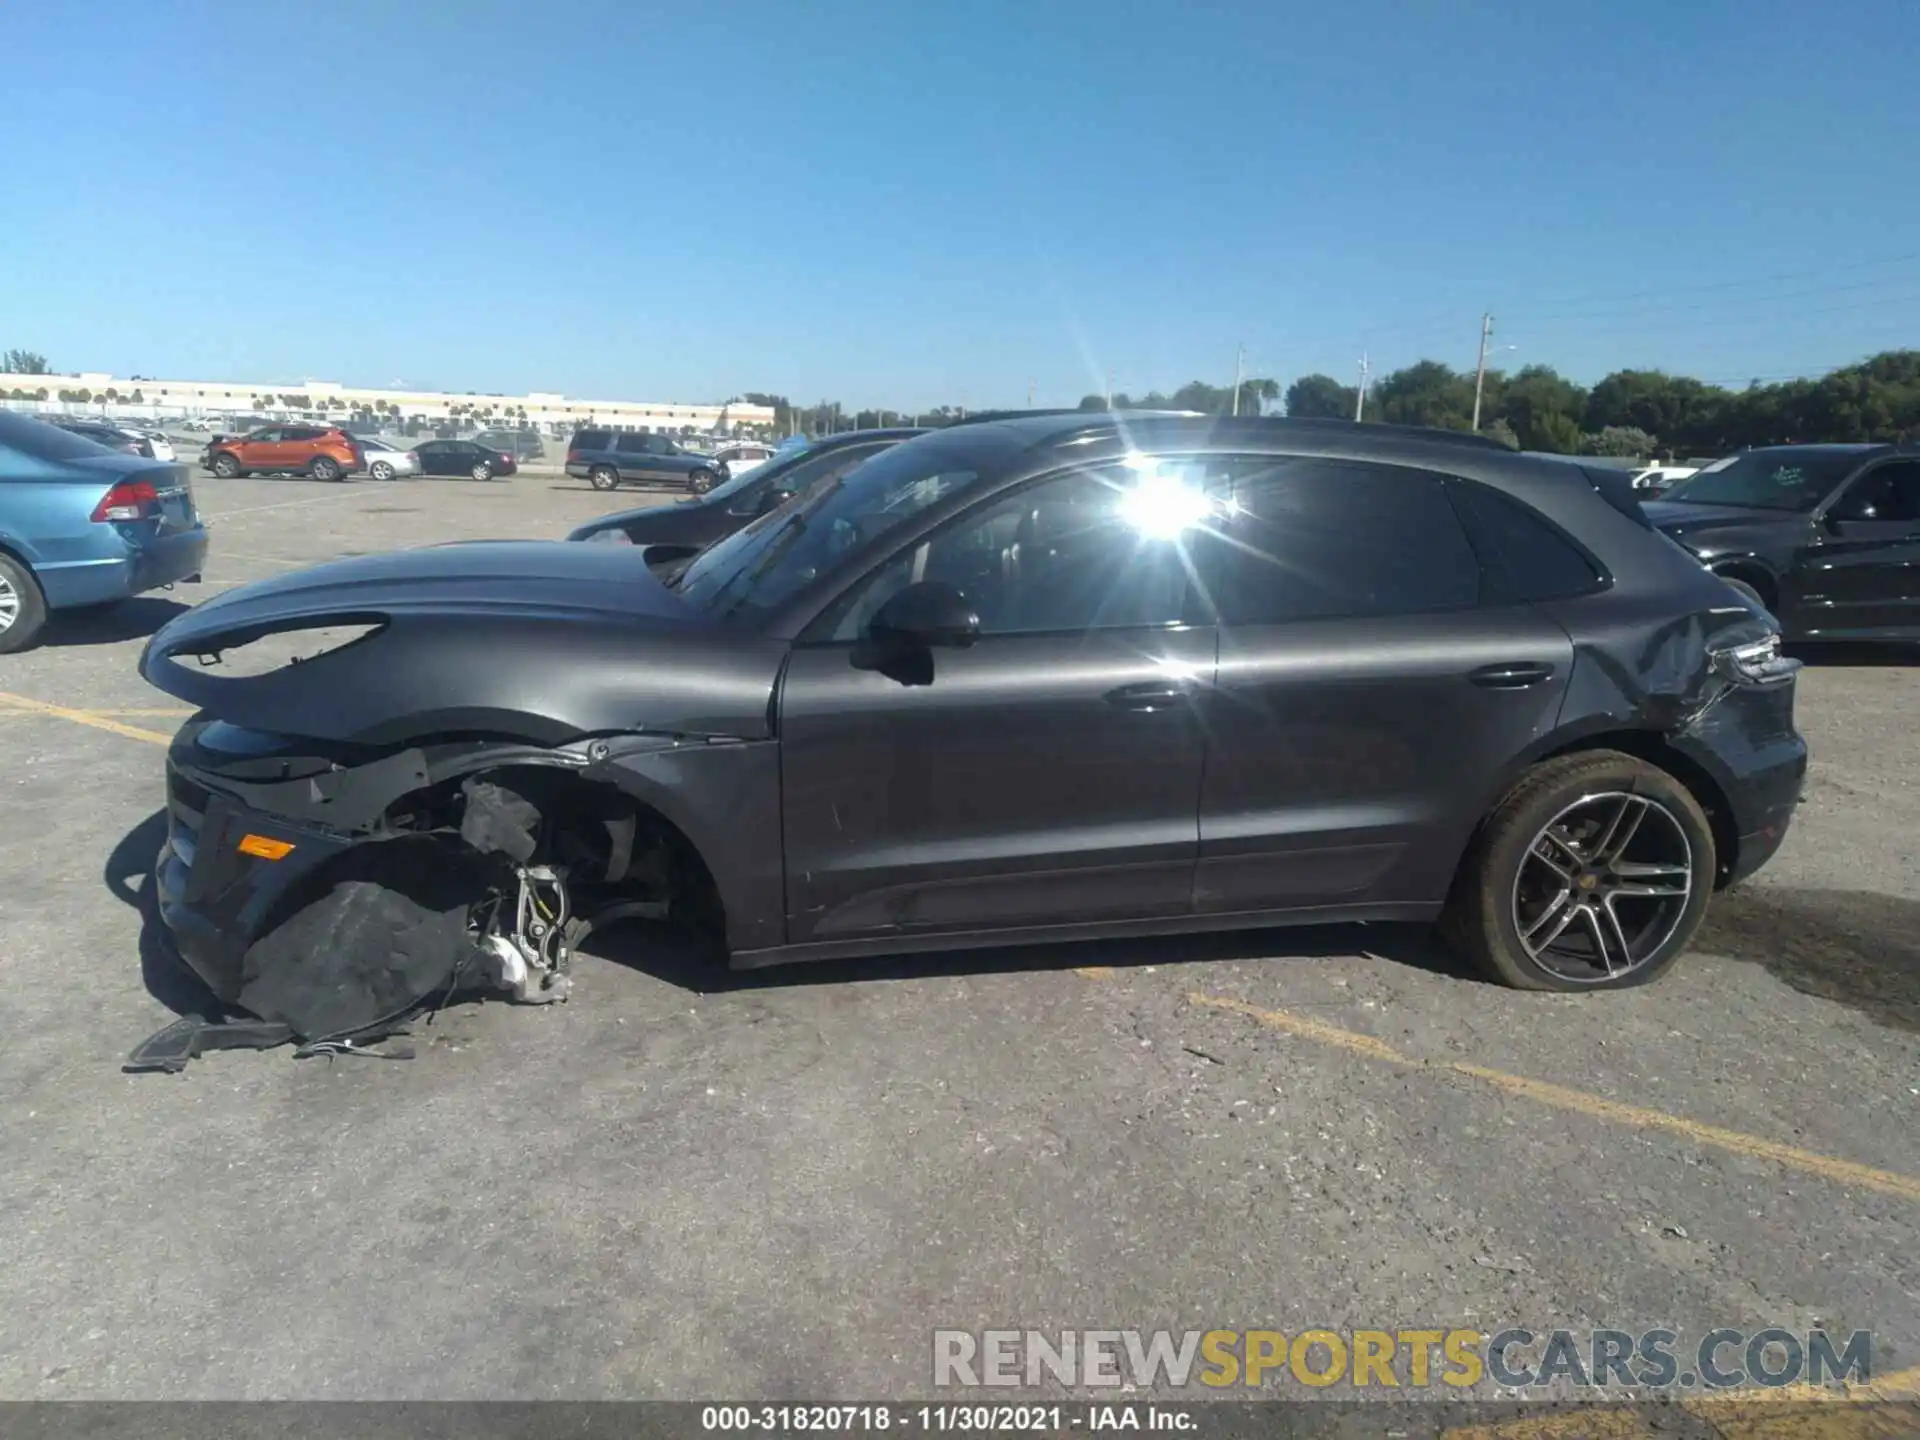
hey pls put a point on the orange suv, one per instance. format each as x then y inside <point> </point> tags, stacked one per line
<point>324,452</point>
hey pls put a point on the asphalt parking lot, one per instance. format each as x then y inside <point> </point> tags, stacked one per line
<point>681,1185</point>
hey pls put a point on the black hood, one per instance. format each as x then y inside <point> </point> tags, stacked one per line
<point>537,640</point>
<point>1670,515</point>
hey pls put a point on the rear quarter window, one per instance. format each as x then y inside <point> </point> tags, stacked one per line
<point>1524,555</point>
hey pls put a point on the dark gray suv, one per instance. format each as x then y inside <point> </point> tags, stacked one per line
<point>607,459</point>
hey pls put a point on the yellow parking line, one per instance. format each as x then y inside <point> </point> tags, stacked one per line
<point>1861,1410</point>
<point>83,717</point>
<point>1559,1097</point>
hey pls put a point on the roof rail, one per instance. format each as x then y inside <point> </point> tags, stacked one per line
<point>1098,418</point>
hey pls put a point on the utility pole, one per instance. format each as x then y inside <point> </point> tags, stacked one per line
<point>1480,370</point>
<point>1029,394</point>
<point>1239,369</point>
<point>1360,395</point>
<point>1109,389</point>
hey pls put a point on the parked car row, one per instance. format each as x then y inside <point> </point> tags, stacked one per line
<point>327,452</point>
<point>149,443</point>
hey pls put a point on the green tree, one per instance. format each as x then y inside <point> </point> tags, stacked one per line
<point>1542,410</point>
<point>110,395</point>
<point>23,362</point>
<point>1425,393</point>
<point>1623,441</point>
<point>137,398</point>
<point>1320,397</point>
<point>83,396</point>
<point>1503,432</point>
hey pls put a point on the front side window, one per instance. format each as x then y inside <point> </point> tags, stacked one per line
<point>1067,554</point>
<point>1886,493</point>
<point>1312,539</point>
<point>1766,480</point>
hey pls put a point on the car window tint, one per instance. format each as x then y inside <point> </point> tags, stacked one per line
<point>1311,539</point>
<point>630,444</point>
<point>1525,556</point>
<point>1892,491</point>
<point>591,440</point>
<point>1063,555</point>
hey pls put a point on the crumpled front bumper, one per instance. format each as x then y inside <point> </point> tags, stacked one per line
<point>215,878</point>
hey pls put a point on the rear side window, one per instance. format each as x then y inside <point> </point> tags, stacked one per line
<point>631,444</point>
<point>1526,556</point>
<point>1327,539</point>
<point>591,440</point>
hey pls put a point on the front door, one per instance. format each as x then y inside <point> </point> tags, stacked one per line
<point>1047,775</point>
<point>1366,693</point>
<point>1865,575</point>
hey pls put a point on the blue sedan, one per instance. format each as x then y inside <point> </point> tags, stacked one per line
<point>83,526</point>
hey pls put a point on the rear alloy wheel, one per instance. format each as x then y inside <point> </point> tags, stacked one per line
<point>604,477</point>
<point>225,466</point>
<point>23,610</point>
<point>325,468</point>
<point>380,470</point>
<point>1593,874</point>
<point>701,481</point>
<point>481,470</point>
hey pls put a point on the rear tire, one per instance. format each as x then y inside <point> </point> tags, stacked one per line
<point>226,467</point>
<point>23,609</point>
<point>604,477</point>
<point>1607,861</point>
<point>380,470</point>
<point>701,481</point>
<point>326,467</point>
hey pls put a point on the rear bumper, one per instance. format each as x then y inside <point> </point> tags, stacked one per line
<point>1748,743</point>
<point>136,569</point>
<point>579,469</point>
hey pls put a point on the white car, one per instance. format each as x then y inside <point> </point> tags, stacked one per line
<point>162,447</point>
<point>741,458</point>
<point>1661,477</point>
<point>385,461</point>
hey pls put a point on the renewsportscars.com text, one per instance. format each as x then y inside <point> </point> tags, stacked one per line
<point>1513,1359</point>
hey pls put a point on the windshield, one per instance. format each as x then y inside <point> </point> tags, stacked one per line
<point>792,473</point>
<point>1766,480</point>
<point>773,559</point>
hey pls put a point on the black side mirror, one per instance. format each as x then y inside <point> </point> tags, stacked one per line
<point>927,615</point>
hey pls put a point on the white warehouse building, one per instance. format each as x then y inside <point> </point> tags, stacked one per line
<point>210,399</point>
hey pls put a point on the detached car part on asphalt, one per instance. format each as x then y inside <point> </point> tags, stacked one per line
<point>1025,681</point>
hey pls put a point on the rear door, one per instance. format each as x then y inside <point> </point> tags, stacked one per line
<point>1867,576</point>
<point>1371,684</point>
<point>630,451</point>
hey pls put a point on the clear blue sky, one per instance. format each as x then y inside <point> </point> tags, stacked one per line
<point>942,202</point>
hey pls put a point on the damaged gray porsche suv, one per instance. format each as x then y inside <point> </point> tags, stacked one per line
<point>1042,679</point>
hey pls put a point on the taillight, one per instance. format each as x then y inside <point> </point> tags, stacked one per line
<point>126,501</point>
<point>573,457</point>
